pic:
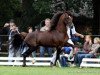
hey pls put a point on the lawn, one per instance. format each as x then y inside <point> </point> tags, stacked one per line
<point>10,70</point>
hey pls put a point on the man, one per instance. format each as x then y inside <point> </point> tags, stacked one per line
<point>46,28</point>
<point>11,51</point>
<point>71,30</point>
<point>47,25</point>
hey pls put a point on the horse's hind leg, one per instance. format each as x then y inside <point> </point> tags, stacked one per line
<point>27,53</point>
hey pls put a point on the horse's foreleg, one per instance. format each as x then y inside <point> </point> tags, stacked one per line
<point>57,55</point>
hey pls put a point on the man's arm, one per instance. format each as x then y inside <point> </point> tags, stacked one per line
<point>80,35</point>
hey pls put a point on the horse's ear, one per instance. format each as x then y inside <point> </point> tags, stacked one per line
<point>69,13</point>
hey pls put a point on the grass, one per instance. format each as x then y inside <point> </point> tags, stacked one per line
<point>10,70</point>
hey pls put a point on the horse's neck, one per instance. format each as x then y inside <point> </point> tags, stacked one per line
<point>61,27</point>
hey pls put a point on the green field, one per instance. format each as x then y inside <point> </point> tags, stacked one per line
<point>10,70</point>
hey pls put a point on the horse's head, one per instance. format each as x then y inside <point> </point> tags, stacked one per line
<point>66,18</point>
<point>60,20</point>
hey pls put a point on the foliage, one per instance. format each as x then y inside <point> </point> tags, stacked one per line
<point>81,7</point>
<point>32,12</point>
<point>8,10</point>
<point>42,6</point>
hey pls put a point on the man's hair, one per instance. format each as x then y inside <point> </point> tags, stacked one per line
<point>47,19</point>
<point>29,28</point>
<point>13,24</point>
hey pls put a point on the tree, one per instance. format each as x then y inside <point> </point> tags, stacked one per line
<point>96,25</point>
<point>58,5</point>
<point>80,7</point>
<point>9,9</point>
<point>32,12</point>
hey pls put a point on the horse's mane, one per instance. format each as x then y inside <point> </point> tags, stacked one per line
<point>55,20</point>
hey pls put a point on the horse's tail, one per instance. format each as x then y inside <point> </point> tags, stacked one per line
<point>18,39</point>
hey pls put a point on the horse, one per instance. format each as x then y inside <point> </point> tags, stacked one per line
<point>56,37</point>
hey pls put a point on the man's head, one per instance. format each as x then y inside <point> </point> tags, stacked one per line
<point>12,25</point>
<point>30,30</point>
<point>47,22</point>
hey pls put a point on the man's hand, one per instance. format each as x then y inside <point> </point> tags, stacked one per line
<point>82,36</point>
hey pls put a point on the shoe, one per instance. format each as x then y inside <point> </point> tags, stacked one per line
<point>52,64</point>
<point>72,59</point>
<point>72,65</point>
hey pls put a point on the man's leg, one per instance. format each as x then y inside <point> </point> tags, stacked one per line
<point>63,61</point>
<point>49,50</point>
<point>76,56</point>
<point>80,57</point>
<point>10,53</point>
<point>42,51</point>
<point>89,56</point>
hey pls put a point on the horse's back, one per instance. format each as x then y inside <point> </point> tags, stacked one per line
<point>46,38</point>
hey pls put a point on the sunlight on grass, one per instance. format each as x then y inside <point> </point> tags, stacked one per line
<point>10,70</point>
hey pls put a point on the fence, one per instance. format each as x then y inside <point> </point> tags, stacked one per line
<point>90,62</point>
<point>36,61</point>
<point>18,61</point>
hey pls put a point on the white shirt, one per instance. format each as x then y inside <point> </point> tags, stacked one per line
<point>45,28</point>
<point>68,33</point>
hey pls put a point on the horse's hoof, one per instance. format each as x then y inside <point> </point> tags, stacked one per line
<point>51,64</point>
<point>23,65</point>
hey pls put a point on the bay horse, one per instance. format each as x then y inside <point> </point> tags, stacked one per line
<point>56,37</point>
